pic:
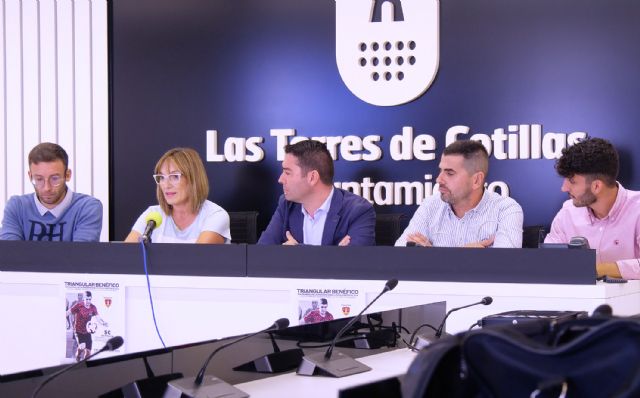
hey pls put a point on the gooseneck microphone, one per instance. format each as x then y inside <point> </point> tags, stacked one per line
<point>112,344</point>
<point>280,324</point>
<point>210,386</point>
<point>485,301</point>
<point>603,310</point>
<point>154,220</point>
<point>325,365</point>
<point>390,285</point>
<point>274,362</point>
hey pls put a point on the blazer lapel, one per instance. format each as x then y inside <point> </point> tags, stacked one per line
<point>295,223</point>
<point>333,218</point>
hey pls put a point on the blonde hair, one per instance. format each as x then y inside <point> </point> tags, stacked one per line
<point>190,165</point>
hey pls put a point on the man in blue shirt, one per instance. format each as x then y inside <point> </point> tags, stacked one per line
<point>311,210</point>
<point>53,212</point>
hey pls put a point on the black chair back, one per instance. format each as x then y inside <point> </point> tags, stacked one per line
<point>389,227</point>
<point>244,226</point>
<point>532,236</point>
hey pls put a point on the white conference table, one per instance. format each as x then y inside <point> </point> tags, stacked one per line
<point>192,309</point>
<point>384,365</point>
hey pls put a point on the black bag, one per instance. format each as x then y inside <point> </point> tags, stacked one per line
<point>591,357</point>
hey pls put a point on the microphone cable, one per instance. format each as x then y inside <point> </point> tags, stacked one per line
<point>398,329</point>
<point>473,326</point>
<point>351,334</point>
<point>412,341</point>
<point>354,333</point>
<point>153,312</point>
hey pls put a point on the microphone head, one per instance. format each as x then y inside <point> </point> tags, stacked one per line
<point>114,343</point>
<point>579,242</point>
<point>390,285</point>
<point>155,217</point>
<point>281,323</point>
<point>603,310</point>
<point>487,300</point>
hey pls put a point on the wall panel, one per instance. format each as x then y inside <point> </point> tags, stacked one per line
<point>53,81</point>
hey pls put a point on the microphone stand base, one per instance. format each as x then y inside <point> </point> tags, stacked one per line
<point>339,365</point>
<point>275,362</point>
<point>144,388</point>
<point>211,387</point>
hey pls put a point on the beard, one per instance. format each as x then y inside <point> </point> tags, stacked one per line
<point>54,197</point>
<point>586,199</point>
<point>452,198</point>
<point>446,196</point>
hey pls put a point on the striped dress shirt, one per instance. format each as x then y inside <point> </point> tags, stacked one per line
<point>494,216</point>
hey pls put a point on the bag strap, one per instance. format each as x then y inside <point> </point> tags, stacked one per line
<point>551,386</point>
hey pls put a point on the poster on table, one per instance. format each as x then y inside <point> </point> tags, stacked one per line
<point>94,313</point>
<point>327,302</point>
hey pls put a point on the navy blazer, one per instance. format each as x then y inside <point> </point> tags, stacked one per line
<point>349,214</point>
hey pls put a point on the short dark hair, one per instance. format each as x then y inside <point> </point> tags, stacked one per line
<point>87,294</point>
<point>48,152</point>
<point>313,155</point>
<point>324,301</point>
<point>595,158</point>
<point>474,153</point>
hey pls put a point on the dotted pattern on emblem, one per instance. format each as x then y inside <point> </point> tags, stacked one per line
<point>380,57</point>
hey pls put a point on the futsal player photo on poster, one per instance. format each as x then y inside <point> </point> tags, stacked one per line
<point>94,312</point>
<point>327,303</point>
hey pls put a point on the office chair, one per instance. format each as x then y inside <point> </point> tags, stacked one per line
<point>244,226</point>
<point>389,227</point>
<point>533,235</point>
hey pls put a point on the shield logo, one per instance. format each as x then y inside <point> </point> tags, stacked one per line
<point>346,309</point>
<point>387,51</point>
<point>107,302</point>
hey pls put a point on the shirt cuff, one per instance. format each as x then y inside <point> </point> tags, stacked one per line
<point>629,269</point>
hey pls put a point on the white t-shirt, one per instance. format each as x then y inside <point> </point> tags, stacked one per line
<point>210,218</point>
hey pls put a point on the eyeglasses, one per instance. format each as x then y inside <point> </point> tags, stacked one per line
<point>54,181</point>
<point>173,178</point>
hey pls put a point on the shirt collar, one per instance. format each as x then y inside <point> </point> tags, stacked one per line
<point>59,209</point>
<point>482,203</point>
<point>324,207</point>
<point>621,198</point>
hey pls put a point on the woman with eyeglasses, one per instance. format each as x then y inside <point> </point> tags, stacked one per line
<point>187,215</point>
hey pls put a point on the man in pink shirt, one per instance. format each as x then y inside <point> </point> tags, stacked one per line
<point>600,209</point>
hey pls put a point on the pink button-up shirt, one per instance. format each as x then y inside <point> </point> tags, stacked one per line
<point>615,237</point>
